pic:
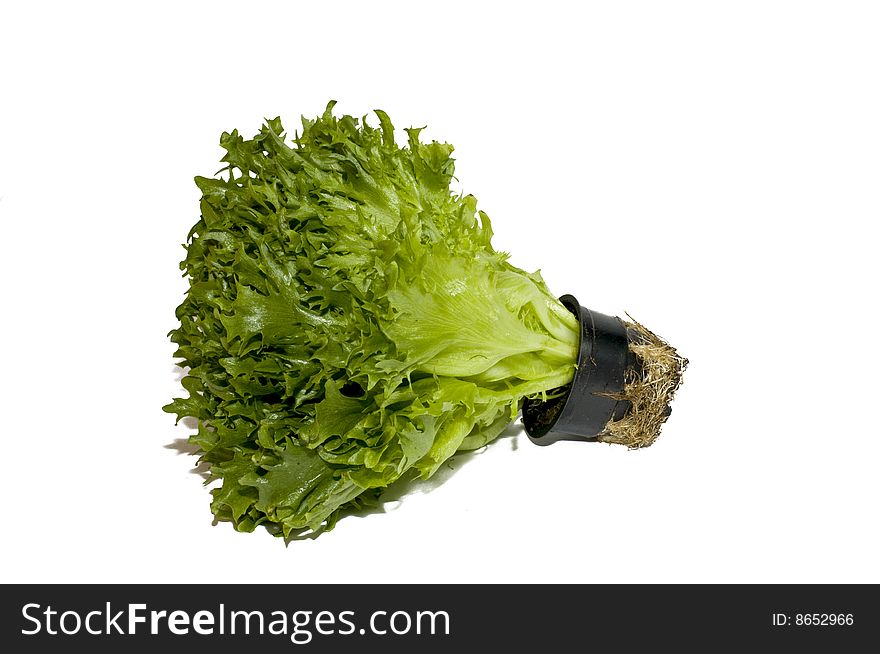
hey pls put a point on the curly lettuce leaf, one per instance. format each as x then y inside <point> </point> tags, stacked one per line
<point>348,322</point>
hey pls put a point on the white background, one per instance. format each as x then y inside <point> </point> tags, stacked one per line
<point>712,168</point>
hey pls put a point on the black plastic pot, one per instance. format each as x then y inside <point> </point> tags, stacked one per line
<point>582,412</point>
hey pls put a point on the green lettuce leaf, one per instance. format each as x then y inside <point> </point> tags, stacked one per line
<point>348,321</point>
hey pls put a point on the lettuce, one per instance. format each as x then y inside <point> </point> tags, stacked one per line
<point>348,322</point>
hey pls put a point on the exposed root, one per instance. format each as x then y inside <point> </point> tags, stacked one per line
<point>649,388</point>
